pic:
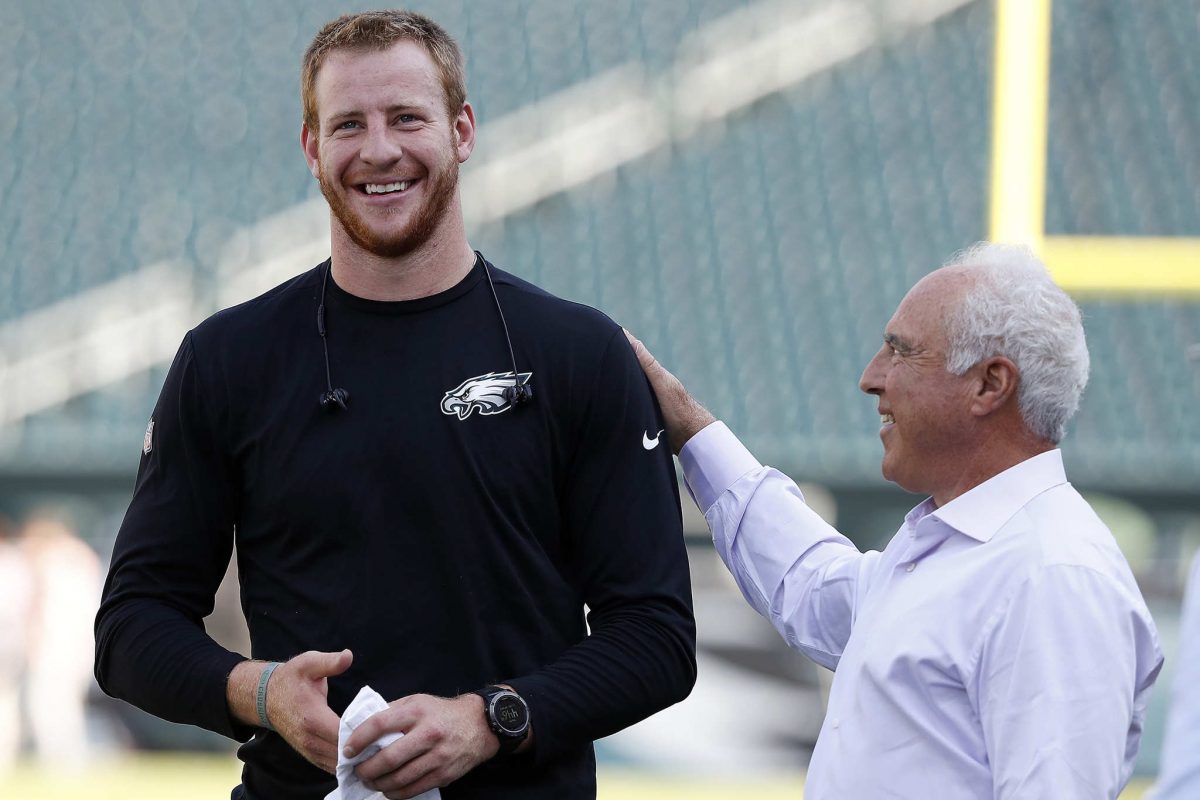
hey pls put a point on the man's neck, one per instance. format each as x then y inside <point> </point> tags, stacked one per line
<point>993,454</point>
<point>437,265</point>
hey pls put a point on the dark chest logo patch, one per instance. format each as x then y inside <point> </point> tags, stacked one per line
<point>483,393</point>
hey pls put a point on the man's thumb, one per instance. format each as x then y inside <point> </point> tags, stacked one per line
<point>327,664</point>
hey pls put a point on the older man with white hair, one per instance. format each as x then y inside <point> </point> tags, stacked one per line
<point>998,646</point>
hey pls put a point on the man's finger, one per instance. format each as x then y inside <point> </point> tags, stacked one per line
<point>397,718</point>
<point>661,379</point>
<point>311,742</point>
<point>419,775</point>
<point>644,356</point>
<point>393,757</point>
<point>324,725</point>
<point>323,755</point>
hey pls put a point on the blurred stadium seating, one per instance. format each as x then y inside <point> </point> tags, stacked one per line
<point>755,225</point>
<point>759,254</point>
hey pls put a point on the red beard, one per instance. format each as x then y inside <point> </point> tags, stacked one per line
<point>439,191</point>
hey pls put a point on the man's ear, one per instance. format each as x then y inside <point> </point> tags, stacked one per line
<point>996,385</point>
<point>308,143</point>
<point>464,132</point>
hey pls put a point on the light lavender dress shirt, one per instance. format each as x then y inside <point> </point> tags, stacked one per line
<point>997,647</point>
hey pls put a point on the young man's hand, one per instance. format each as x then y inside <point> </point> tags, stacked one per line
<point>298,705</point>
<point>444,738</point>
<point>297,702</point>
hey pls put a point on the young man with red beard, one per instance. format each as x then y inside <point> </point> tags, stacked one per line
<point>387,534</point>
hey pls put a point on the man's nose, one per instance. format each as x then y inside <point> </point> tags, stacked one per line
<point>871,381</point>
<point>380,146</point>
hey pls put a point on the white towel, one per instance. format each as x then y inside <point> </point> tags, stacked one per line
<point>367,702</point>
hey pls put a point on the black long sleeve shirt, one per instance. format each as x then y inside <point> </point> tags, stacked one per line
<point>450,542</point>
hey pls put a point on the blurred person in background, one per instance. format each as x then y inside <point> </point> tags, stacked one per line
<point>66,578</point>
<point>434,530</point>
<point>16,604</point>
<point>998,646</point>
<point>1179,772</point>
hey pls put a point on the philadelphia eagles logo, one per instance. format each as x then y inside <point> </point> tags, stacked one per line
<point>484,392</point>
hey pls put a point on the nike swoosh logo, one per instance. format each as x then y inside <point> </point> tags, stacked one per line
<point>648,443</point>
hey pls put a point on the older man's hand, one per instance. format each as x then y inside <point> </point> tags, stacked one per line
<point>683,415</point>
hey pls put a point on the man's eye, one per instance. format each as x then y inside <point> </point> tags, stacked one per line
<point>347,125</point>
<point>407,118</point>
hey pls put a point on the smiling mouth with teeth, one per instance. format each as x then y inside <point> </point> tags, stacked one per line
<point>386,188</point>
<point>886,419</point>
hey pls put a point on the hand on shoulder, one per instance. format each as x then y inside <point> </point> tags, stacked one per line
<point>683,415</point>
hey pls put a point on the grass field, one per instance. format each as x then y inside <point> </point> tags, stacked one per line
<point>201,777</point>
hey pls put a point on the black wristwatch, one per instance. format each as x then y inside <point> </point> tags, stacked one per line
<point>507,715</point>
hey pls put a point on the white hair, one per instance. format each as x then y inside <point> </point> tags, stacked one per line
<point>1014,309</point>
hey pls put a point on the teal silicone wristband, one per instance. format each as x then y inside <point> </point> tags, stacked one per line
<point>260,697</point>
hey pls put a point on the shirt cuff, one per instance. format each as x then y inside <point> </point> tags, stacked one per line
<point>713,460</point>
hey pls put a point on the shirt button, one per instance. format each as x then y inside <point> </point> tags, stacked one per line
<point>835,724</point>
<point>911,566</point>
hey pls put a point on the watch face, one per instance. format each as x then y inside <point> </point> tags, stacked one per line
<point>510,713</point>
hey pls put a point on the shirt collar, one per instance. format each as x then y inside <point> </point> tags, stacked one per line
<point>983,510</point>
